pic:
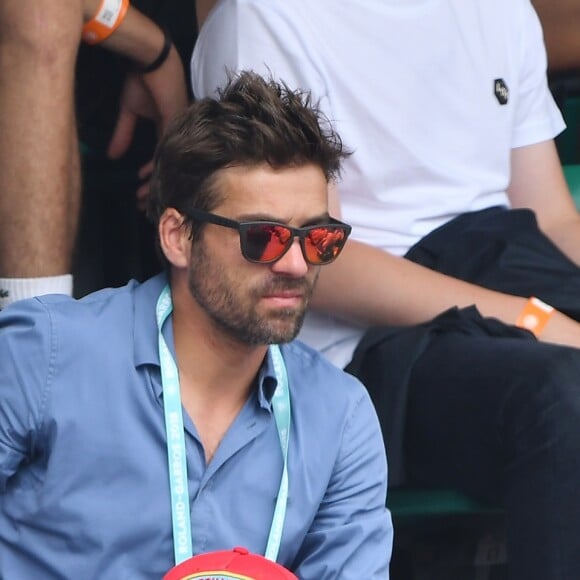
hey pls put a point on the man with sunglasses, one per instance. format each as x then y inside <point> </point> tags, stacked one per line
<point>145,424</point>
<point>461,220</point>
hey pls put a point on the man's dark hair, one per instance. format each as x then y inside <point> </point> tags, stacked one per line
<point>253,121</point>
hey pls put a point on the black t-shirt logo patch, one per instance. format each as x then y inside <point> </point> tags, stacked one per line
<point>501,91</point>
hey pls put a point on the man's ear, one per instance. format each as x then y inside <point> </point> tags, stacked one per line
<point>174,238</point>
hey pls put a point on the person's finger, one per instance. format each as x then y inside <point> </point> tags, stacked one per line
<point>142,195</point>
<point>146,170</point>
<point>122,135</point>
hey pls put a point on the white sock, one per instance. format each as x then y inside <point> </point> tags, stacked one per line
<point>13,289</point>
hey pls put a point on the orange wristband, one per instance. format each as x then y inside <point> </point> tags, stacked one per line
<point>107,19</point>
<point>535,316</point>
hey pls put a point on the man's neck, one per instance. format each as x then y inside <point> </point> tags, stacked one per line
<point>216,372</point>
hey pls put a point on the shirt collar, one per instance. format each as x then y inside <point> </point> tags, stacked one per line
<point>267,382</point>
<point>145,323</point>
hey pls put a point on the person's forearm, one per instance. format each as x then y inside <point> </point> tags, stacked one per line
<point>372,287</point>
<point>137,37</point>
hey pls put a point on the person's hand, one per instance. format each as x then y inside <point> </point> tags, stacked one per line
<point>158,96</point>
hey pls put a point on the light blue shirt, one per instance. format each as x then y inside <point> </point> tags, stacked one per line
<point>84,489</point>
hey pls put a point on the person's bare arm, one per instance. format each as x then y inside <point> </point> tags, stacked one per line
<point>561,24</point>
<point>39,181</point>
<point>137,37</point>
<point>373,287</point>
<point>202,9</point>
<point>157,95</point>
<point>538,183</point>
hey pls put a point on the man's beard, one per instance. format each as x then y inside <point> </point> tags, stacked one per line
<point>236,313</point>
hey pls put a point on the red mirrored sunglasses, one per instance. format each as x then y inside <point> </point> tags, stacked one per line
<point>266,242</point>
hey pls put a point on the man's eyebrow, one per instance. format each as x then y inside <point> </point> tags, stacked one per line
<point>263,217</point>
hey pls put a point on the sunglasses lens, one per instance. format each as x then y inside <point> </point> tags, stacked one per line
<point>266,242</point>
<point>324,243</point>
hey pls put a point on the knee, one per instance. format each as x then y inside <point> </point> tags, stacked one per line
<point>542,406</point>
<point>41,32</point>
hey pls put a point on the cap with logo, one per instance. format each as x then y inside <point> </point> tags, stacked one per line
<point>236,564</point>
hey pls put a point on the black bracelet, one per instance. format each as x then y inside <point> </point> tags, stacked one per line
<point>162,55</point>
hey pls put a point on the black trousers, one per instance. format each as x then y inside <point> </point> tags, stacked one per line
<point>484,407</point>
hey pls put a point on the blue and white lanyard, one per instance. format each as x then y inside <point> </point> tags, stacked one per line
<point>180,511</point>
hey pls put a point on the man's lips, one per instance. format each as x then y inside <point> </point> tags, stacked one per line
<point>284,297</point>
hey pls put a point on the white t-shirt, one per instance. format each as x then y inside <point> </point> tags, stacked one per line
<point>417,90</point>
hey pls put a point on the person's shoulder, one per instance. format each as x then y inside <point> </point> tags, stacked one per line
<point>74,321</point>
<point>309,357</point>
<point>41,334</point>
<point>92,305</point>
<point>318,374</point>
<point>329,402</point>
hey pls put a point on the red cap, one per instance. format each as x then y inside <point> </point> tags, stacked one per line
<point>236,564</point>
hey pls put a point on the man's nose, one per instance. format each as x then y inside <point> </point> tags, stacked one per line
<point>292,263</point>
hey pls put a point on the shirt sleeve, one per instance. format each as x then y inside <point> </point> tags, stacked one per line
<point>25,347</point>
<point>537,116</point>
<point>256,35</point>
<point>352,534</point>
